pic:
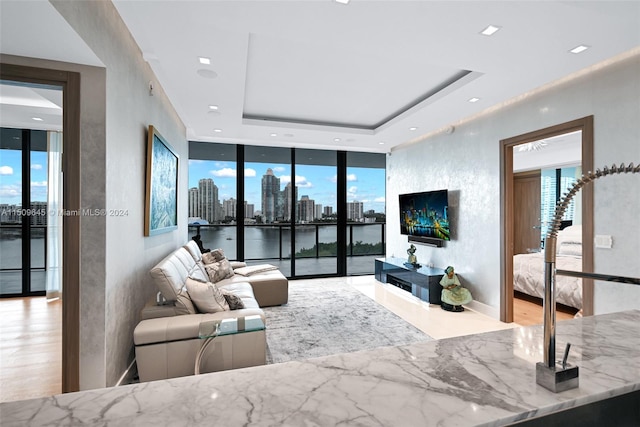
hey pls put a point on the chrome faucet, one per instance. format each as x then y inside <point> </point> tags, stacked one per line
<point>550,374</point>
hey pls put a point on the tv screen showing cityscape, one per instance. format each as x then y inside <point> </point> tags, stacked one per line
<point>425,214</point>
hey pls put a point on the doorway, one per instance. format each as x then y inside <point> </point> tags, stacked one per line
<point>585,126</point>
<point>70,84</point>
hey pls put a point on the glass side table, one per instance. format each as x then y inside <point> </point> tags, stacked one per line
<point>210,329</point>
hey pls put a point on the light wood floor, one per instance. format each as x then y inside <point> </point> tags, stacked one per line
<point>30,348</point>
<point>528,311</point>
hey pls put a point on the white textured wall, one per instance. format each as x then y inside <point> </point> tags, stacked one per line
<point>467,163</point>
<point>116,260</point>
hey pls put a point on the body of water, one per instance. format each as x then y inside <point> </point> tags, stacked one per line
<point>263,242</point>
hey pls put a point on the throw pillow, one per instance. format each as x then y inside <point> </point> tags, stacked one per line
<point>213,256</point>
<point>234,301</point>
<point>219,270</point>
<point>206,296</point>
<point>254,269</point>
<point>183,303</point>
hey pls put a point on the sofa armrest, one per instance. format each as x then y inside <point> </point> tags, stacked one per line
<point>185,327</point>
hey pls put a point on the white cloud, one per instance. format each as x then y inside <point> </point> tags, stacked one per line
<point>36,166</point>
<point>6,170</point>
<point>301,181</point>
<point>224,173</point>
<point>249,172</point>
<point>11,191</point>
<point>38,184</point>
<point>353,189</point>
<point>379,200</point>
<point>352,177</point>
<point>278,169</point>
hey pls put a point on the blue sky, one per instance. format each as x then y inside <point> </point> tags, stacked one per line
<point>11,176</point>
<point>318,182</point>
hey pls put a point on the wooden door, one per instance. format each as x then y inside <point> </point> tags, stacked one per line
<point>526,212</point>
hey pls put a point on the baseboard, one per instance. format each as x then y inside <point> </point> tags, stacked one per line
<point>129,375</point>
<point>485,309</point>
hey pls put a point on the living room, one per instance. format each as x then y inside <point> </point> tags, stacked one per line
<point>466,159</point>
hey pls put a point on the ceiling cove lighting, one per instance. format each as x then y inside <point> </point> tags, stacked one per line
<point>474,99</point>
<point>490,30</point>
<point>204,60</point>
<point>579,49</point>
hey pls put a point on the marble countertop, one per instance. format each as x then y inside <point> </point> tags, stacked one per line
<point>485,379</point>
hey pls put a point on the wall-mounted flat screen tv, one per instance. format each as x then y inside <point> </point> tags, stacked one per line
<point>425,214</point>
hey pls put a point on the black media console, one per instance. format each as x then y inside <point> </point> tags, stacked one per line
<point>422,282</point>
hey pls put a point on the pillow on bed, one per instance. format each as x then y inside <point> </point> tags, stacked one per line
<point>570,248</point>
<point>570,235</point>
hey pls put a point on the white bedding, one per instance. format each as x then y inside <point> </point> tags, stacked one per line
<point>528,277</point>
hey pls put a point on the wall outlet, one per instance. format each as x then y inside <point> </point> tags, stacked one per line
<point>602,241</point>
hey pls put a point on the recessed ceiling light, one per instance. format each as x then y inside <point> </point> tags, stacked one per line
<point>413,128</point>
<point>342,1</point>
<point>204,60</point>
<point>490,30</point>
<point>37,119</point>
<point>579,49</point>
<point>213,107</point>
<point>381,143</point>
<point>474,99</point>
<point>274,134</point>
<point>217,130</point>
<point>336,139</point>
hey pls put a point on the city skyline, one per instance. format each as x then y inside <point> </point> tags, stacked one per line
<point>364,185</point>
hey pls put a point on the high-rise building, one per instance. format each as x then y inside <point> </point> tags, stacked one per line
<point>249,210</point>
<point>208,195</point>
<point>270,196</point>
<point>290,198</point>
<point>354,210</point>
<point>229,208</point>
<point>306,209</point>
<point>328,210</point>
<point>194,203</point>
<point>318,214</point>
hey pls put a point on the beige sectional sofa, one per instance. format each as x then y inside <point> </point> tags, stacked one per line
<point>167,338</point>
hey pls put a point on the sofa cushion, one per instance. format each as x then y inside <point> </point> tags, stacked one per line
<point>171,273</point>
<point>243,290</point>
<point>219,270</point>
<point>254,269</point>
<point>206,296</point>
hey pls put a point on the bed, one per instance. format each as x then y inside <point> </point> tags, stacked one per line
<point>528,269</point>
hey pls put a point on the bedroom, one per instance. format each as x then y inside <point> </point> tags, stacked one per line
<point>543,170</point>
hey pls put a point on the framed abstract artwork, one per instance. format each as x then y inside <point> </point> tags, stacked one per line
<point>161,199</point>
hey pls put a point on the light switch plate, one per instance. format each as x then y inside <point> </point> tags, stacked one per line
<point>604,242</point>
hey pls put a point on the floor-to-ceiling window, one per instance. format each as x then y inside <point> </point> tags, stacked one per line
<point>316,227</point>
<point>213,196</point>
<point>23,211</point>
<point>366,210</point>
<point>291,206</point>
